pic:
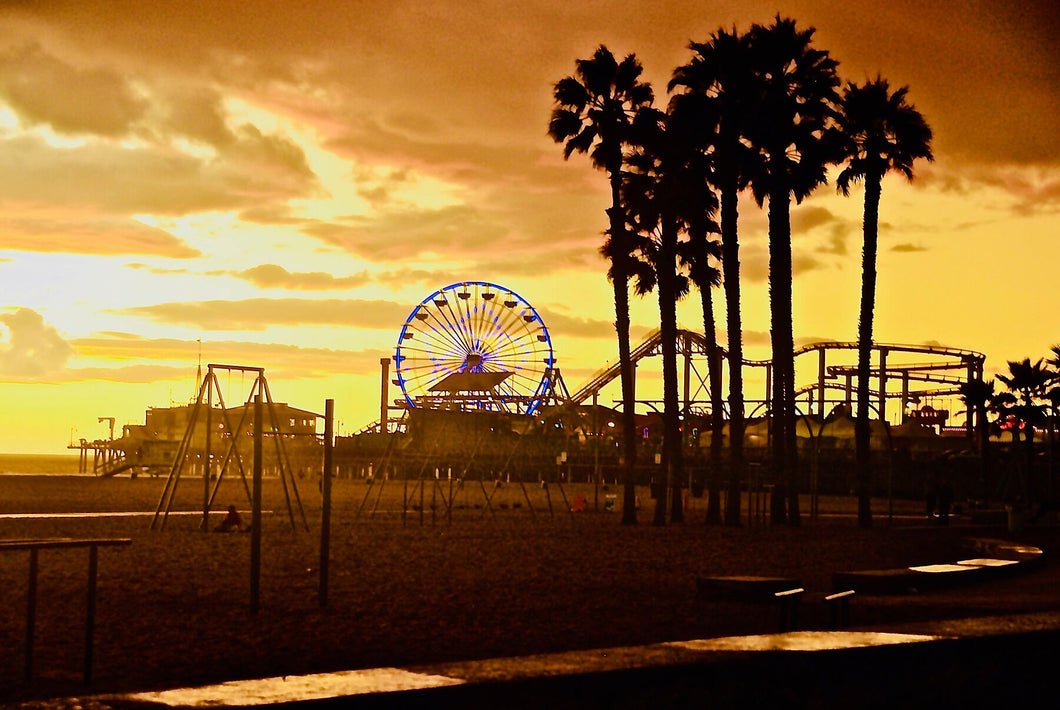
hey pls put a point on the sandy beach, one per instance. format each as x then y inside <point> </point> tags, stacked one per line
<point>506,579</point>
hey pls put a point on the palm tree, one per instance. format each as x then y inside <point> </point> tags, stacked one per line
<point>721,90</point>
<point>1027,385</point>
<point>882,133</point>
<point>699,254</point>
<point>791,133</point>
<point>1053,396</point>
<point>593,113</point>
<point>976,395</point>
<point>658,191</point>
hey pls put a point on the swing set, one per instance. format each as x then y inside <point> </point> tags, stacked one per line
<point>204,411</point>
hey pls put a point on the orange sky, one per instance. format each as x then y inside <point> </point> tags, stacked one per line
<point>284,182</point>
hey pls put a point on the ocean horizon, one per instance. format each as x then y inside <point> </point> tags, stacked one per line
<point>38,464</point>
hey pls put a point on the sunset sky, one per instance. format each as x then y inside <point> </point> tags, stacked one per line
<point>284,182</point>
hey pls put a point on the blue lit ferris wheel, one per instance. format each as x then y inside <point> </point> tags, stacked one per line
<point>474,346</point>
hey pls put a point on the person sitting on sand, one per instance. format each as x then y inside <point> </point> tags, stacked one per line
<point>231,522</point>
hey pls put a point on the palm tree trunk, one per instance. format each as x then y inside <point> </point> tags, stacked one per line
<point>620,283</point>
<point>629,426</point>
<point>782,341</point>
<point>667,271</point>
<point>717,416</point>
<point>730,265</point>
<point>984,448</point>
<point>862,439</point>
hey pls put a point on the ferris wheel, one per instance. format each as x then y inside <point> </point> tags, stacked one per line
<point>477,345</point>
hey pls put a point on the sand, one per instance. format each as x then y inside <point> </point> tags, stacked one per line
<point>173,607</point>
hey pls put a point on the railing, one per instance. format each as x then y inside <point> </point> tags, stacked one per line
<point>34,547</point>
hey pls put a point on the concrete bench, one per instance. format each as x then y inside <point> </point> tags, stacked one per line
<point>785,592</point>
<point>1000,558</point>
<point>839,608</point>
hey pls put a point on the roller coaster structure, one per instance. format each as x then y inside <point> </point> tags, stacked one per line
<point>941,376</point>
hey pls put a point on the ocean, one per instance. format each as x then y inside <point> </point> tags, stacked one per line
<point>38,464</point>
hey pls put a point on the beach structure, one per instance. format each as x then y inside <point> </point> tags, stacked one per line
<point>256,417</point>
<point>150,448</point>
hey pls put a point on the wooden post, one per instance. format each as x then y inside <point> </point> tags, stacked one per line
<point>325,513</point>
<point>255,516</point>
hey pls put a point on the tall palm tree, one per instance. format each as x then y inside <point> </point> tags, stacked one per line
<point>593,114</point>
<point>791,133</point>
<point>883,133</point>
<point>722,91</point>
<point>699,254</point>
<point>658,192</point>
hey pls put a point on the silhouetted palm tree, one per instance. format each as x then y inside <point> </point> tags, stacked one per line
<point>700,253</point>
<point>658,193</point>
<point>1053,396</point>
<point>977,395</point>
<point>882,133</point>
<point>1027,385</point>
<point>593,112</point>
<point>790,131</point>
<point>722,93</point>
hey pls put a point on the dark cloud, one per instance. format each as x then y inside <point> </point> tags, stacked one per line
<point>155,179</point>
<point>31,349</point>
<point>275,276</point>
<point>399,278</point>
<point>908,248</point>
<point>87,234</point>
<point>45,90</point>
<point>260,313</point>
<point>291,360</point>
<point>806,217</point>
<point>563,324</point>
<point>409,234</point>
<point>1032,191</point>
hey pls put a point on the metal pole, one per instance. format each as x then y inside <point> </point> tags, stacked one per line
<point>905,395</point>
<point>821,369</point>
<point>596,456</point>
<point>384,394</point>
<point>255,516</point>
<point>325,513</point>
<point>883,385</point>
<point>206,462</point>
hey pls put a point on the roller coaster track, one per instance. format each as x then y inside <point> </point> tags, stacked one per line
<point>692,343</point>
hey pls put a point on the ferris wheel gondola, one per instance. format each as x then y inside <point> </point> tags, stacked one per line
<point>475,344</point>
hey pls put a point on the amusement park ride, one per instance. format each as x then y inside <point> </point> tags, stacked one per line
<point>480,347</point>
<point>479,351</point>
